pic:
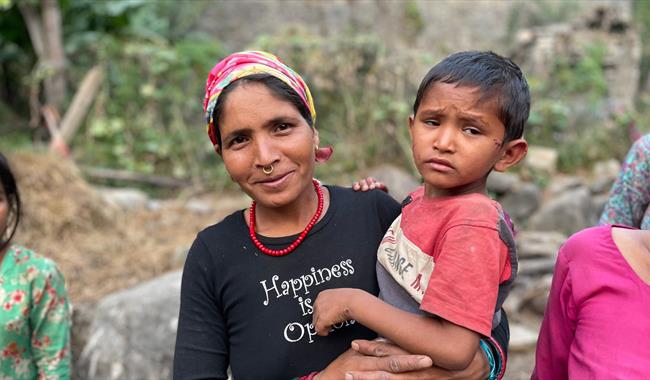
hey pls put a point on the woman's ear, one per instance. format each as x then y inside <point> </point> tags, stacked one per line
<point>513,152</point>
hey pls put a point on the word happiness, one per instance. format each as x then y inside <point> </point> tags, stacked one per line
<point>300,285</point>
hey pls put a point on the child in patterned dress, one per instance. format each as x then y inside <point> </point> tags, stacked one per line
<point>35,313</point>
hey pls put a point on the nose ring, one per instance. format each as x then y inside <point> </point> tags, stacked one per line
<point>267,169</point>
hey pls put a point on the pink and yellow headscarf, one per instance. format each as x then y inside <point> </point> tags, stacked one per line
<point>243,64</point>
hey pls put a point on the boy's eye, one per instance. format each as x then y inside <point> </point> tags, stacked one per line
<point>432,122</point>
<point>472,130</point>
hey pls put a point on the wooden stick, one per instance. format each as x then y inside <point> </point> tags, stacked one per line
<point>81,102</point>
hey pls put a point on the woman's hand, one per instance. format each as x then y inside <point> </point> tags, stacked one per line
<point>333,306</point>
<point>369,183</point>
<point>370,366</point>
<point>478,369</point>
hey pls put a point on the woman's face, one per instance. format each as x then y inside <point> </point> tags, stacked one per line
<point>259,130</point>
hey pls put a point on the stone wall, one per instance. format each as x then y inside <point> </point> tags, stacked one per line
<point>439,27</point>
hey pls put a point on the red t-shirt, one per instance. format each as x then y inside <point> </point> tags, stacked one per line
<point>454,255</point>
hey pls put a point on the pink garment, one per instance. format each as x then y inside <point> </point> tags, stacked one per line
<point>597,321</point>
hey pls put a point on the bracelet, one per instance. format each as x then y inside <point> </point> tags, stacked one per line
<point>310,376</point>
<point>494,368</point>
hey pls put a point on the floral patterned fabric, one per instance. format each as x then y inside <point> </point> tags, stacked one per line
<point>35,318</point>
<point>630,194</point>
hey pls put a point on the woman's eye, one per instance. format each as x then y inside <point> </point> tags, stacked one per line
<point>282,127</point>
<point>237,140</point>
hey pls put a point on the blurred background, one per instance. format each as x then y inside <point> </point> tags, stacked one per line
<point>101,116</point>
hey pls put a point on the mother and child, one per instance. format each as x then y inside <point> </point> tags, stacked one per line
<point>297,285</point>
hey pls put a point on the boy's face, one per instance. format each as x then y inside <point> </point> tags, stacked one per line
<point>457,141</point>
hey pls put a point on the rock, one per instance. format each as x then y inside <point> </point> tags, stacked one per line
<point>522,338</point>
<point>539,243</point>
<point>604,174</point>
<point>600,185</point>
<point>199,206</point>
<point>541,160</point>
<point>562,184</point>
<point>178,257</point>
<point>535,298</point>
<point>513,302</point>
<point>567,213</point>
<point>155,204</point>
<point>133,332</point>
<point>598,204</point>
<point>400,182</point>
<point>606,24</point>
<point>126,198</point>
<point>535,267</point>
<point>500,183</point>
<point>521,202</point>
<point>82,317</point>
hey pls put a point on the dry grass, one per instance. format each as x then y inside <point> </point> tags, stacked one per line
<point>100,247</point>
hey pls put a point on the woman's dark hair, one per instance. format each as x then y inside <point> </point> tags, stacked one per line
<point>277,87</point>
<point>12,197</point>
<point>497,78</point>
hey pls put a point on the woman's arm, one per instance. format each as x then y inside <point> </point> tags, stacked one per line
<point>558,326</point>
<point>449,345</point>
<point>630,195</point>
<point>50,319</point>
<point>201,341</point>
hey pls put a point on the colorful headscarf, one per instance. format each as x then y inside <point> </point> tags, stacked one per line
<point>243,64</point>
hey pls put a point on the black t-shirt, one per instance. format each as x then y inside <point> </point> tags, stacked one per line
<point>254,312</point>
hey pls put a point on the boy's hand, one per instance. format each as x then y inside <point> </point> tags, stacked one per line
<point>369,183</point>
<point>333,306</point>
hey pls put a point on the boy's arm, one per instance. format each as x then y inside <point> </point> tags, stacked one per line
<point>449,346</point>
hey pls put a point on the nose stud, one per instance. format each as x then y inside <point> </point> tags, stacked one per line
<point>267,169</point>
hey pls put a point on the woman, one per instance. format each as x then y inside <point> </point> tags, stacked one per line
<point>596,324</point>
<point>629,199</point>
<point>249,281</point>
<point>35,313</point>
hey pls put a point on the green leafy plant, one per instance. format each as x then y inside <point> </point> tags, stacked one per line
<point>570,111</point>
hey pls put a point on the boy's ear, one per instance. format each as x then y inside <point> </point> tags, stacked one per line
<point>411,121</point>
<point>512,153</point>
<point>217,149</point>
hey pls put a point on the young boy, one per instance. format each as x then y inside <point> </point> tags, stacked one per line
<point>448,261</point>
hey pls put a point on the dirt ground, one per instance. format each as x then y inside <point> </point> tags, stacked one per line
<point>100,247</point>
<point>520,365</point>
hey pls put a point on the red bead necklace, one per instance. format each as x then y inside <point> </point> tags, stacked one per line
<point>299,239</point>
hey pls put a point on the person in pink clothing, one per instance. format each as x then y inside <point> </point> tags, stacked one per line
<point>597,321</point>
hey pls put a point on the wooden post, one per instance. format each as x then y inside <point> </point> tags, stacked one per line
<point>81,102</point>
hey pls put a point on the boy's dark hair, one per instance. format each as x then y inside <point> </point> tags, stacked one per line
<point>277,87</point>
<point>8,183</point>
<point>496,77</point>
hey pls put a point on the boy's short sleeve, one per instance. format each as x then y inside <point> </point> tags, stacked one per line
<point>465,281</point>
